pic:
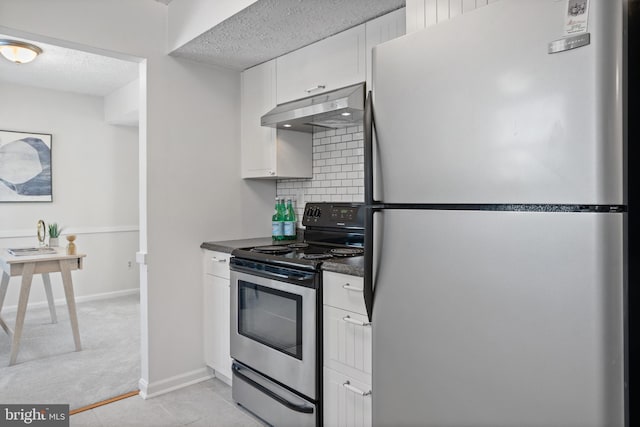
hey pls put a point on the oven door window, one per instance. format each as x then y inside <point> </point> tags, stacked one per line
<point>271,317</point>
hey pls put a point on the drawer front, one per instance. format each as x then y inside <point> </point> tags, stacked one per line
<point>347,343</point>
<point>344,291</point>
<point>217,263</point>
<point>346,402</point>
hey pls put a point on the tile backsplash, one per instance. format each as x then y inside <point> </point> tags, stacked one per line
<point>338,170</point>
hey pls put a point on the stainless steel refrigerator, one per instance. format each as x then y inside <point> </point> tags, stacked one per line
<point>496,235</point>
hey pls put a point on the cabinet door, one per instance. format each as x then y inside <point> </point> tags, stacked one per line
<point>216,326</point>
<point>267,152</point>
<point>379,30</point>
<point>209,338</point>
<point>222,361</point>
<point>343,291</point>
<point>258,143</point>
<point>421,14</point>
<point>216,312</point>
<point>346,402</point>
<point>329,64</point>
<point>347,343</point>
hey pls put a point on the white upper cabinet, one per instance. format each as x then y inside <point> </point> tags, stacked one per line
<point>379,30</point>
<point>267,152</point>
<point>329,64</point>
<point>333,63</point>
<point>425,13</point>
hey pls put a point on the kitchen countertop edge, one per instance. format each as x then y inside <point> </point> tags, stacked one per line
<point>227,246</point>
<point>350,266</point>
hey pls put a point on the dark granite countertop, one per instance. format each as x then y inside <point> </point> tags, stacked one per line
<point>227,246</point>
<point>353,266</point>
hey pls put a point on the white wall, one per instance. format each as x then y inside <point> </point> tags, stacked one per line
<point>189,131</point>
<point>95,188</point>
<point>122,106</point>
<point>190,18</point>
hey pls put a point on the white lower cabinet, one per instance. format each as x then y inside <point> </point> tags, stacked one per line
<point>216,297</point>
<point>346,352</point>
<point>346,402</point>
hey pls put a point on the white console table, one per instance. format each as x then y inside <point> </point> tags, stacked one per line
<point>26,266</point>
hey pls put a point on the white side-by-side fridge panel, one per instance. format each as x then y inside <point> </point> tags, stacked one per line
<point>475,109</point>
<point>502,319</point>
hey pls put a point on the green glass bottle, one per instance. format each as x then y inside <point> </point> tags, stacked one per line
<point>290,222</point>
<point>277,230</point>
<point>282,210</point>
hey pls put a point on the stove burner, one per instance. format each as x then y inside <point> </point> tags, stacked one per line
<point>344,252</point>
<point>299,245</point>
<point>272,249</point>
<point>317,256</point>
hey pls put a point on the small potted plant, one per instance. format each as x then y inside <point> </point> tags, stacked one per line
<point>54,234</point>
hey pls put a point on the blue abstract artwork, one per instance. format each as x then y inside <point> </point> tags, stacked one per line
<point>25,167</point>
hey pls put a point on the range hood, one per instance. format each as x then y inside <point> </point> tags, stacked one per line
<point>330,110</point>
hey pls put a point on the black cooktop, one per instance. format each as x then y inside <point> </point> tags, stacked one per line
<point>300,254</point>
<point>333,231</point>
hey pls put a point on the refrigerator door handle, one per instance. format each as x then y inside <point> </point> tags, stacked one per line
<point>368,150</point>
<point>370,208</point>
<point>368,260</point>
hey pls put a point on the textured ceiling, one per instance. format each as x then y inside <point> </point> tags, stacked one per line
<point>270,28</point>
<point>262,31</point>
<point>69,70</point>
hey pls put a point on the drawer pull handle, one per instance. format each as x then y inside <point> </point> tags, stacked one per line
<point>216,259</point>
<point>351,288</point>
<point>355,390</point>
<point>317,87</point>
<point>355,321</point>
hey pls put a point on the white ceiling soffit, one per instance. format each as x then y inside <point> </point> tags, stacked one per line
<point>270,28</point>
<point>69,70</point>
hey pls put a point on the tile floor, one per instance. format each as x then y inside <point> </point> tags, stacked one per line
<point>207,404</point>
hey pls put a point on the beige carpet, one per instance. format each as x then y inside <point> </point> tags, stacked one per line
<point>49,371</point>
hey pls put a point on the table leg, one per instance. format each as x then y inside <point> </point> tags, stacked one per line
<point>25,288</point>
<point>65,270</point>
<point>47,289</point>
<point>3,292</point>
<point>3,288</point>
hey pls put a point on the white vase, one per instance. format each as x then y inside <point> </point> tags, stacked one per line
<point>53,242</point>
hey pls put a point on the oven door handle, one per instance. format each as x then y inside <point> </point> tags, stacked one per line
<point>271,394</point>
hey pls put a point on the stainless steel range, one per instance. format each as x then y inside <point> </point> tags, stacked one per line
<point>276,315</point>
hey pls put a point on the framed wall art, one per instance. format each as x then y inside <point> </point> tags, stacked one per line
<point>25,167</point>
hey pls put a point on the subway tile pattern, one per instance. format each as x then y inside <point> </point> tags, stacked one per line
<point>338,170</point>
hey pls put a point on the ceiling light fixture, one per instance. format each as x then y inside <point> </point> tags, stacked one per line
<point>346,113</point>
<point>286,125</point>
<point>19,52</point>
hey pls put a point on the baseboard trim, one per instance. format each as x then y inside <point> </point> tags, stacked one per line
<point>222,377</point>
<point>157,388</point>
<point>86,298</point>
